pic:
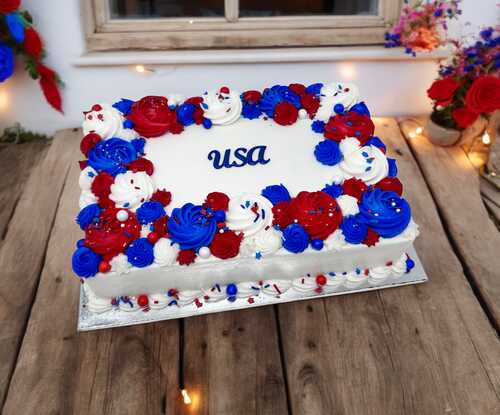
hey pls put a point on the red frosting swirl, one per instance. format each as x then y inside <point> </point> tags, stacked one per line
<point>186,257</point>
<point>252,97</point>
<point>226,245</point>
<point>88,143</point>
<point>141,164</point>
<point>310,103</point>
<point>317,212</point>
<point>101,187</point>
<point>109,236</point>
<point>391,184</point>
<point>285,113</point>
<point>282,214</point>
<point>162,196</point>
<point>160,226</point>
<point>371,238</point>
<point>152,117</point>
<point>217,201</point>
<point>350,124</point>
<point>354,187</point>
<point>299,89</point>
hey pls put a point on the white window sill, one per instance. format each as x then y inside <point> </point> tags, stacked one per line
<point>272,55</point>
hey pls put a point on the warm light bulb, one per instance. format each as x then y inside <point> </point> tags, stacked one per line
<point>419,130</point>
<point>185,396</point>
<point>140,68</point>
<point>4,100</point>
<point>486,138</point>
<point>347,71</point>
<point>412,134</point>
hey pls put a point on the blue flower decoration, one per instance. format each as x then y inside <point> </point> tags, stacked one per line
<point>334,190</point>
<point>360,108</point>
<point>295,238</point>
<point>85,263</point>
<point>276,193</point>
<point>140,253</point>
<point>250,111</point>
<point>6,62</point>
<point>353,229</point>
<point>386,213</point>
<point>275,95</point>
<point>185,114</point>
<point>139,144</point>
<point>377,142</point>
<point>15,26</point>
<point>87,215</point>
<point>150,211</point>
<point>112,155</point>
<point>124,105</point>
<point>328,152</point>
<point>314,89</point>
<point>318,126</point>
<point>393,168</point>
<point>190,227</point>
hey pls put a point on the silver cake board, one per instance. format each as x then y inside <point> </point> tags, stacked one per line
<point>88,320</point>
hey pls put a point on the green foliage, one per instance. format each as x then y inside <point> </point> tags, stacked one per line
<point>17,134</point>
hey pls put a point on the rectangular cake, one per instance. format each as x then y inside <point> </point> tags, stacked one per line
<point>233,195</point>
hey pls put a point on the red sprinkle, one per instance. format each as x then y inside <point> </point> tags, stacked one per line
<point>104,267</point>
<point>224,90</point>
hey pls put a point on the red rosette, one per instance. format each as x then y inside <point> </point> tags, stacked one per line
<point>317,212</point>
<point>371,238</point>
<point>88,143</point>
<point>109,236</point>
<point>443,90</point>
<point>390,184</point>
<point>83,164</point>
<point>176,128</point>
<point>141,164</point>
<point>194,100</point>
<point>252,97</point>
<point>186,257</point>
<point>217,201</point>
<point>32,42</point>
<point>285,113</point>
<point>354,187</point>
<point>226,245</point>
<point>101,185</point>
<point>282,214</point>
<point>198,116</point>
<point>310,103</point>
<point>160,226</point>
<point>299,89</point>
<point>350,124</point>
<point>162,196</point>
<point>152,117</point>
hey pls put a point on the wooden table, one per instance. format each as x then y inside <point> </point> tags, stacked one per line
<point>426,349</point>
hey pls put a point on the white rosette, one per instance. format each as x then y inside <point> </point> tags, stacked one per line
<point>222,108</point>
<point>165,253</point>
<point>158,301</point>
<point>186,297</point>
<point>305,284</point>
<point>248,289</point>
<point>399,267</point>
<point>275,288</point>
<point>215,293</point>
<point>130,189</point>
<point>107,122</point>
<point>86,198</point>
<point>120,264</point>
<point>356,279</point>
<point>378,275</point>
<point>263,243</point>
<point>249,213</point>
<point>348,205</point>
<point>336,241</point>
<point>98,304</point>
<point>336,93</point>
<point>334,280</point>
<point>87,176</point>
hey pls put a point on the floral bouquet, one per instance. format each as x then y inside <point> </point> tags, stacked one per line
<point>468,85</point>
<point>421,26</point>
<point>19,37</point>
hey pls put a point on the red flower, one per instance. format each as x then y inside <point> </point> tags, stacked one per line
<point>350,124</point>
<point>252,96</point>
<point>484,95</point>
<point>162,196</point>
<point>194,100</point>
<point>464,117</point>
<point>152,117</point>
<point>371,238</point>
<point>101,186</point>
<point>317,212</point>
<point>198,116</point>
<point>310,103</point>
<point>285,113</point>
<point>88,143</point>
<point>282,214</point>
<point>299,89</point>
<point>51,92</point>
<point>217,201</point>
<point>390,184</point>
<point>442,90</point>
<point>354,187</point>
<point>176,128</point>
<point>109,236</point>
<point>141,164</point>
<point>83,164</point>
<point>226,245</point>
<point>8,6</point>
<point>32,42</point>
<point>160,226</point>
<point>186,257</point>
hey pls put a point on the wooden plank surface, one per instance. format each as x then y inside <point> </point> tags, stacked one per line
<point>23,250</point>
<point>125,370</point>
<point>454,184</point>
<point>424,349</point>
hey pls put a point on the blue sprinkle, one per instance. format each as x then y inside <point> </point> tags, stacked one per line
<point>258,255</point>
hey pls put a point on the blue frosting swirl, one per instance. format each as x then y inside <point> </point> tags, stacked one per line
<point>377,142</point>
<point>385,212</point>
<point>353,229</point>
<point>334,190</point>
<point>275,95</point>
<point>360,108</point>
<point>150,211</point>
<point>318,126</point>
<point>139,144</point>
<point>190,228</point>
<point>314,89</point>
<point>393,168</point>
<point>85,263</point>
<point>15,26</point>
<point>276,193</point>
<point>6,62</point>
<point>124,105</point>
<point>140,253</point>
<point>250,111</point>
<point>112,155</point>
<point>295,238</point>
<point>185,114</point>
<point>87,215</point>
<point>328,152</point>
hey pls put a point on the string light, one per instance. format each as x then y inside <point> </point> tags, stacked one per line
<point>185,397</point>
<point>419,130</point>
<point>140,68</point>
<point>412,134</point>
<point>4,100</point>
<point>486,138</point>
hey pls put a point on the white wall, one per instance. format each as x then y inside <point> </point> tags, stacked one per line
<point>389,87</point>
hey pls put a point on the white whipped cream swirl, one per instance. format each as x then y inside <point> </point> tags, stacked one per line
<point>107,123</point>
<point>265,242</point>
<point>222,108</point>
<point>131,189</point>
<point>348,205</point>
<point>336,93</point>
<point>165,252</point>
<point>249,213</point>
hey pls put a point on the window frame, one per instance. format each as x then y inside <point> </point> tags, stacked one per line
<point>105,34</point>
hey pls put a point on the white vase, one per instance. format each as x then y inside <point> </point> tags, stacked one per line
<point>441,136</point>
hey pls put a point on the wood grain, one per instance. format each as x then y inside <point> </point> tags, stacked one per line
<point>133,369</point>
<point>454,184</point>
<point>422,349</point>
<point>23,249</point>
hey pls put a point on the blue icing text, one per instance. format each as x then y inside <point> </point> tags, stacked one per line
<point>256,155</point>
<point>276,193</point>
<point>191,226</point>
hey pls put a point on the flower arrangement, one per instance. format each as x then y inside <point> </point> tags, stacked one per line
<point>421,25</point>
<point>19,37</point>
<point>469,85</point>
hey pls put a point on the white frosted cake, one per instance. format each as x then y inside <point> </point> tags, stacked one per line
<point>233,195</point>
